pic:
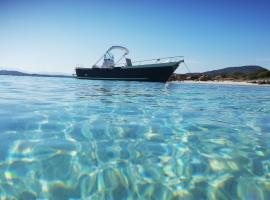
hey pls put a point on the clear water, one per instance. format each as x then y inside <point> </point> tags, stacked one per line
<point>64,138</point>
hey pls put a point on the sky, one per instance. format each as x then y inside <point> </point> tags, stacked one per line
<point>54,36</point>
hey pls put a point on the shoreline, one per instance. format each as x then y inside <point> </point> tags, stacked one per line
<point>222,83</point>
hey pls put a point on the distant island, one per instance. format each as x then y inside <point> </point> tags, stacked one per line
<point>249,73</point>
<point>17,73</point>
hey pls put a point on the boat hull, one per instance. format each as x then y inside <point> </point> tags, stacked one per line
<point>151,73</point>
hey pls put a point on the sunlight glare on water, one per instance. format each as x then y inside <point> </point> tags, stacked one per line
<point>64,138</point>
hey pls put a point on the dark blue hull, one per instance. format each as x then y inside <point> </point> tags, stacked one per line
<point>151,73</point>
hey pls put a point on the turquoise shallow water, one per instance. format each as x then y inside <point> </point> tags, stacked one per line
<point>78,139</point>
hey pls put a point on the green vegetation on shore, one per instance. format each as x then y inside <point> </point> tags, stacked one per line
<point>255,74</point>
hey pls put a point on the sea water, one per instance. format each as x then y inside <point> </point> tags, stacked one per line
<point>64,138</point>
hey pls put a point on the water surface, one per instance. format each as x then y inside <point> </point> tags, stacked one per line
<point>64,138</point>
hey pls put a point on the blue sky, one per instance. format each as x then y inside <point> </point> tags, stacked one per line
<point>54,36</point>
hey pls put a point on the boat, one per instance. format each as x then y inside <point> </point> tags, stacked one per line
<point>154,70</point>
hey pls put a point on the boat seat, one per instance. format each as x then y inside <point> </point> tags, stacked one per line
<point>128,62</point>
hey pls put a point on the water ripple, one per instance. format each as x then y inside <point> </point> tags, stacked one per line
<point>78,139</point>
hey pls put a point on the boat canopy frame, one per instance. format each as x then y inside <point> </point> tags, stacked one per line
<point>108,54</point>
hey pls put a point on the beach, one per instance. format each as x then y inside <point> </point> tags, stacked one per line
<point>221,82</point>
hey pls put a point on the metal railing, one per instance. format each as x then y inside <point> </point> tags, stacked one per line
<point>145,62</point>
<point>154,61</point>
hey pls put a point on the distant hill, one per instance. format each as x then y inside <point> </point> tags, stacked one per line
<point>14,73</point>
<point>249,72</point>
<point>17,73</point>
<point>231,70</point>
